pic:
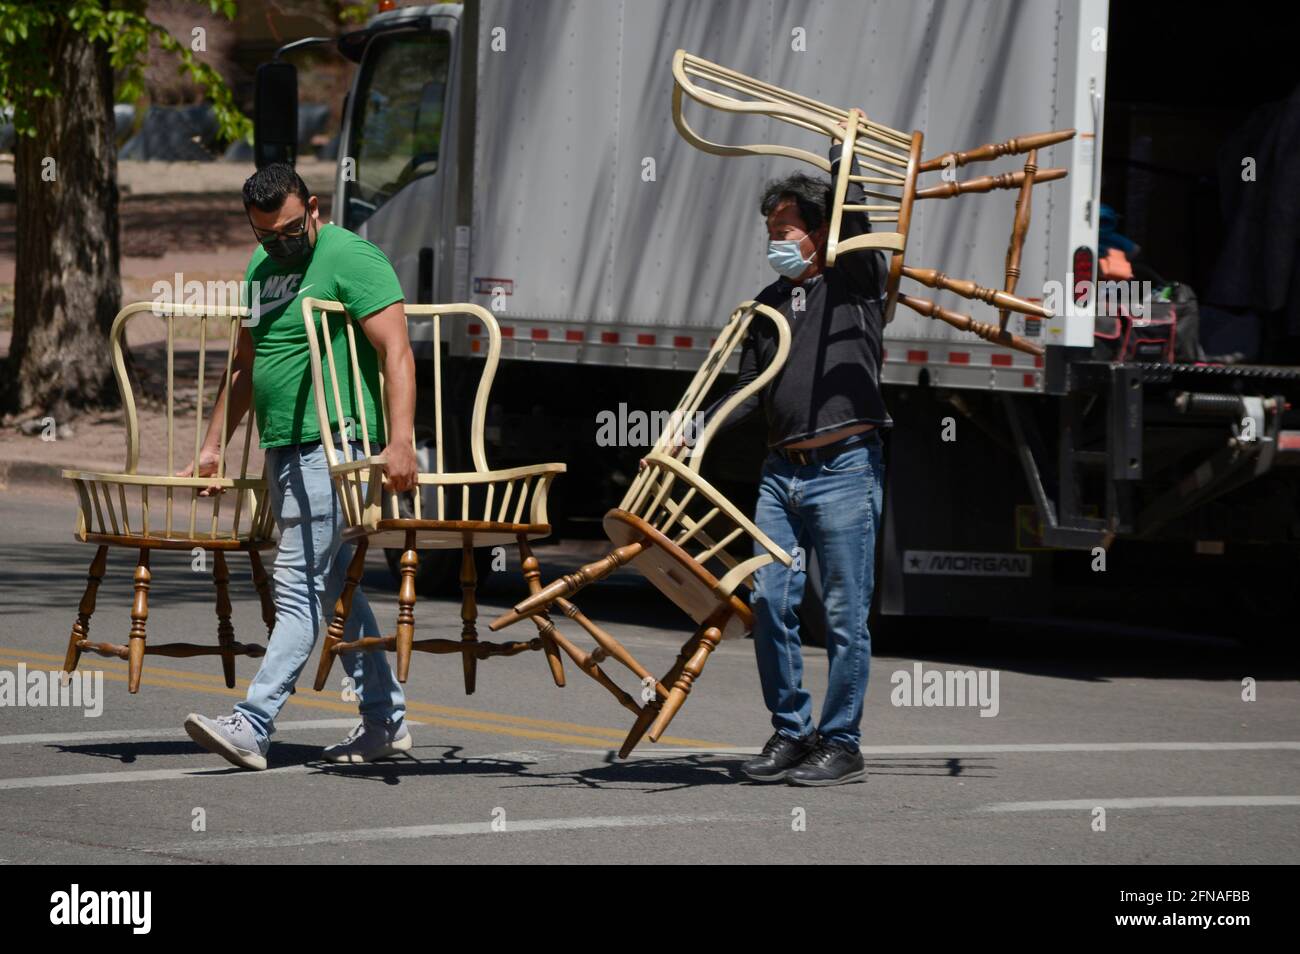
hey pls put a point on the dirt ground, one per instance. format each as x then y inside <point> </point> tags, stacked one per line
<point>176,217</point>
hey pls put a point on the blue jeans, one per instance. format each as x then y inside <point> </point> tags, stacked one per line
<point>831,508</point>
<point>310,568</point>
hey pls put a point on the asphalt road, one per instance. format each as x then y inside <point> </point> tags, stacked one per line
<point>1150,727</point>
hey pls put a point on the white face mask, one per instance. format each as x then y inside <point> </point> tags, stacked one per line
<point>785,257</point>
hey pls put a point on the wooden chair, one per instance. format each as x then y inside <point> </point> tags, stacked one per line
<point>887,162</point>
<point>477,508</point>
<point>145,508</point>
<point>676,529</point>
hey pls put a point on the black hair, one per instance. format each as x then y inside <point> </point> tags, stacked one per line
<point>811,194</point>
<point>268,187</point>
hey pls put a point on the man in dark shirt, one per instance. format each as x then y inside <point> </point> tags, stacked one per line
<point>821,484</point>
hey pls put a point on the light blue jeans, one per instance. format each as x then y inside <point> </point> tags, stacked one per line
<point>831,508</point>
<point>310,568</point>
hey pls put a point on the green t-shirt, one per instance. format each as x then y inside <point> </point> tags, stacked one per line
<point>344,268</point>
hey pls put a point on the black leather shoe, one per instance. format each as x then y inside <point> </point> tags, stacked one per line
<point>831,763</point>
<point>779,755</point>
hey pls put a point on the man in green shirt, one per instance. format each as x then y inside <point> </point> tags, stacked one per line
<point>298,256</point>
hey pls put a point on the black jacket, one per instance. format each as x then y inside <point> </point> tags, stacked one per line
<point>831,377</point>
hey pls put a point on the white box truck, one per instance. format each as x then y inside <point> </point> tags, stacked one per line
<point>521,154</point>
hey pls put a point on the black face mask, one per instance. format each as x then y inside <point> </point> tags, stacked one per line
<point>289,250</point>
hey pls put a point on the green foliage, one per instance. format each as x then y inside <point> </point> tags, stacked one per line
<point>28,29</point>
<point>351,14</point>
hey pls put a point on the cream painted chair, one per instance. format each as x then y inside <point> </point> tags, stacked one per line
<point>477,508</point>
<point>683,535</point>
<point>145,508</point>
<point>887,163</point>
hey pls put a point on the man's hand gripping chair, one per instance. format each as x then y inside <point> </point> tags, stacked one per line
<point>475,508</point>
<point>145,507</point>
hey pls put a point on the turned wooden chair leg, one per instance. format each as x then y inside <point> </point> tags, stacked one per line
<point>81,627</point>
<point>263,586</point>
<point>570,583</point>
<point>710,636</point>
<point>139,617</point>
<point>545,629</point>
<point>406,607</point>
<point>342,610</point>
<point>648,712</point>
<point>225,631</point>
<point>468,615</point>
<point>608,646</point>
<point>587,662</point>
<point>650,708</point>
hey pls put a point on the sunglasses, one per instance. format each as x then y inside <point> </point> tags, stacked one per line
<point>266,235</point>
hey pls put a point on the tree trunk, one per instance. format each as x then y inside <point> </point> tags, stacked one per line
<point>67,282</point>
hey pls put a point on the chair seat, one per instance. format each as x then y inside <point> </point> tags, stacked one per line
<point>673,572</point>
<point>447,534</point>
<point>130,510</point>
<point>139,541</point>
<point>160,482</point>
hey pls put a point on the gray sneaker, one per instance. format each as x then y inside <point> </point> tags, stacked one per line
<point>232,737</point>
<point>369,741</point>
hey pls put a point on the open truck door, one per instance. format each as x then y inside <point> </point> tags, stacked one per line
<point>275,114</point>
<point>397,152</point>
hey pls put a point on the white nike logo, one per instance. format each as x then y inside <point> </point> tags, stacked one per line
<point>268,305</point>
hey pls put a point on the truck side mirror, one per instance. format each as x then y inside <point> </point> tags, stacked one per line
<point>275,114</point>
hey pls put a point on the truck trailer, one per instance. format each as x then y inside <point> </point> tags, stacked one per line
<point>521,155</point>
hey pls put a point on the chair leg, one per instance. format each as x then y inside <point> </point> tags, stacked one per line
<point>263,586</point>
<point>650,710</point>
<point>608,645</point>
<point>710,636</point>
<point>533,577</point>
<point>570,583</point>
<point>468,616</point>
<point>81,627</point>
<point>342,610</point>
<point>406,607</point>
<point>587,662</point>
<point>139,617</point>
<point>225,632</point>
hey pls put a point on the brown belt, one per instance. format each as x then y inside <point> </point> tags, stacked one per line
<point>802,458</point>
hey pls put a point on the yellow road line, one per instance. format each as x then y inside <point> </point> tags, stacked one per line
<point>494,723</point>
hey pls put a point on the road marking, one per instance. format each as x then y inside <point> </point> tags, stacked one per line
<point>474,720</point>
<point>513,826</point>
<point>1171,801</point>
<point>146,775</point>
<point>171,732</point>
<point>995,748</point>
